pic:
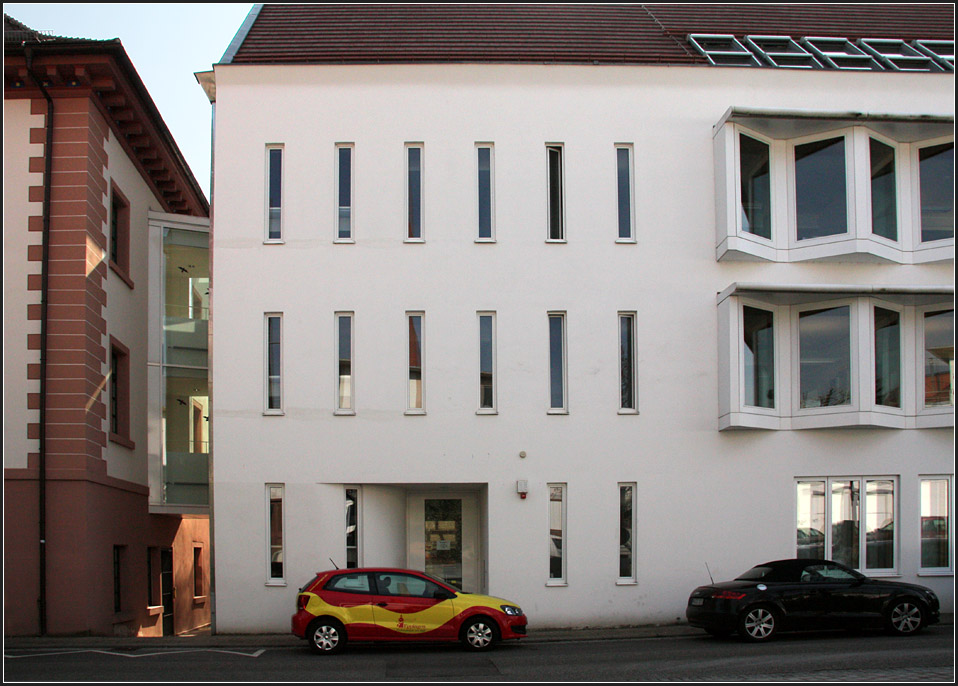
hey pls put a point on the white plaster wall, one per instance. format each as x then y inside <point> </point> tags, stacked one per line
<point>17,179</point>
<point>702,496</point>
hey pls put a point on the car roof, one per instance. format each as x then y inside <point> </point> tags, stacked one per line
<point>362,570</point>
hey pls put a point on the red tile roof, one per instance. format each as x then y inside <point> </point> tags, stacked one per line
<point>542,33</point>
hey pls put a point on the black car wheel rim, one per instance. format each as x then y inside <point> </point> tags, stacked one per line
<point>759,623</point>
<point>905,618</point>
<point>326,638</point>
<point>479,635</point>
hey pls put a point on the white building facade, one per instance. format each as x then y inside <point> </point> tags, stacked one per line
<point>520,326</point>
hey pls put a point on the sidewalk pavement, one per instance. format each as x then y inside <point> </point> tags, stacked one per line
<point>203,638</point>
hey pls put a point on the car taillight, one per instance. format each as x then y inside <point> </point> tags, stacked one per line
<point>728,595</point>
<point>302,601</point>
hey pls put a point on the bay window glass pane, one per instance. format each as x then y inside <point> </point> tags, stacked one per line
<point>275,193</point>
<point>415,362</point>
<point>624,191</point>
<point>820,191</point>
<point>273,363</point>
<point>756,187</point>
<point>276,532</point>
<point>939,358</point>
<point>759,364</point>
<point>485,192</point>
<point>887,357</point>
<point>345,192</point>
<point>345,359</point>
<point>352,528</point>
<point>935,523</point>
<point>880,524</point>
<point>846,503</point>
<point>486,372</point>
<point>627,362</point>
<point>884,203</point>
<point>414,192</point>
<point>626,504</point>
<point>556,362</point>
<point>810,520</point>
<point>825,357</point>
<point>936,171</point>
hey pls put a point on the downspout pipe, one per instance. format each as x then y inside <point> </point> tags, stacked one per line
<point>44,298</point>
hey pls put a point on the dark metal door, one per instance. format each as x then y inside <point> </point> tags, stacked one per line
<point>167,590</point>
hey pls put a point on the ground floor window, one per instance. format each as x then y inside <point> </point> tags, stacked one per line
<point>352,528</point>
<point>557,533</point>
<point>626,532</point>
<point>848,520</point>
<point>936,528</point>
<point>275,530</point>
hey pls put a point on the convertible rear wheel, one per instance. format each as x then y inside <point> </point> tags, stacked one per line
<point>905,617</point>
<point>757,623</point>
<point>480,634</point>
<point>326,636</point>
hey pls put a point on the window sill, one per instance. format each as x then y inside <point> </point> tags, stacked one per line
<point>557,584</point>
<point>864,249</point>
<point>485,240</point>
<point>274,241</point>
<point>199,600</point>
<point>556,240</point>
<point>154,610</point>
<point>344,241</point>
<point>557,411</point>
<point>627,411</point>
<point>936,572</point>
<point>122,440</point>
<point>274,413</point>
<point>626,241</point>
<point>344,413</point>
<point>415,413</point>
<point>414,240</point>
<point>487,411</point>
<point>276,583</point>
<point>122,273</point>
<point>626,582</point>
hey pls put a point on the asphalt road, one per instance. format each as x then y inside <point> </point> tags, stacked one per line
<point>798,657</point>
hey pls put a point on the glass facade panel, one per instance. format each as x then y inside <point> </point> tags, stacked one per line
<point>936,170</point>
<point>846,503</point>
<point>810,532</point>
<point>940,358</point>
<point>344,158</point>
<point>759,363</point>
<point>884,192</point>
<point>825,357</point>
<point>414,193</point>
<point>756,204</point>
<point>484,162</point>
<point>443,540</point>
<point>623,171</point>
<point>186,435</point>
<point>887,357</point>
<point>275,193</point>
<point>880,524</point>
<point>935,523</point>
<point>186,298</point>
<point>820,189</point>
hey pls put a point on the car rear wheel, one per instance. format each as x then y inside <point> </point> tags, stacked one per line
<point>326,636</point>
<point>758,623</point>
<point>480,633</point>
<point>905,617</point>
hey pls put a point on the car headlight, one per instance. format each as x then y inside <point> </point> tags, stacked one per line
<point>512,610</point>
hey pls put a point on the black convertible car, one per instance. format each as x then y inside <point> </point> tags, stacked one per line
<point>808,594</point>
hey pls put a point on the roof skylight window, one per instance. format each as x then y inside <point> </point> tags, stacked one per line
<point>942,51</point>
<point>782,51</point>
<point>839,53</point>
<point>896,55</point>
<point>723,50</point>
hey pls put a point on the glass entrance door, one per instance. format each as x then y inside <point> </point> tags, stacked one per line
<point>443,536</point>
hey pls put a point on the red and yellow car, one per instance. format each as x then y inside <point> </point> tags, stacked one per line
<point>385,604</point>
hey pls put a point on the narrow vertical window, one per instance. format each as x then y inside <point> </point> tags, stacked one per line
<point>118,578</point>
<point>198,571</point>
<point>119,390</point>
<point>352,528</point>
<point>487,361</point>
<point>557,363</point>
<point>275,526</point>
<point>756,192</point>
<point>810,532</point>
<point>939,358</point>
<point>759,363</point>
<point>880,524</point>
<point>557,535</point>
<point>627,383</point>
<point>414,192</point>
<point>623,188</point>
<point>884,192</point>
<point>274,194</point>
<point>936,523</point>
<point>415,400</point>
<point>120,235</point>
<point>274,367</point>
<point>846,515</point>
<point>887,357</point>
<point>820,189</point>
<point>556,197</point>
<point>152,577</point>
<point>936,172</point>
<point>824,340</point>
<point>344,361</point>
<point>344,192</point>
<point>627,532</point>
<point>485,193</point>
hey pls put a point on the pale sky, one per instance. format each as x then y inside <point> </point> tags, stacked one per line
<point>167,44</point>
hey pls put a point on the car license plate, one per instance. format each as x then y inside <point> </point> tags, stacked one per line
<point>697,601</point>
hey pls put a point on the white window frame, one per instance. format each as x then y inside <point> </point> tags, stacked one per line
<point>863,482</point>
<point>634,372</point>
<point>267,410</point>
<point>901,190</point>
<point>630,150</point>
<point>934,410</point>
<point>779,315</point>
<point>270,579</point>
<point>633,578</point>
<point>492,193</point>
<point>494,409</point>
<point>282,195</point>
<point>564,517</point>
<point>850,183</point>
<point>564,362</point>
<point>352,192</point>
<point>359,526</point>
<point>919,245</point>
<point>337,320</point>
<point>905,323</point>
<point>563,228</point>
<point>950,569</point>
<point>422,192</point>
<point>853,346</point>
<point>410,410</point>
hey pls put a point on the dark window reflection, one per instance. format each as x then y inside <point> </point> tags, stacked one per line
<point>820,188</point>
<point>756,187</point>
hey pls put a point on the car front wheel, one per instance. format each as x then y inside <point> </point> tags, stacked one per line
<point>758,623</point>
<point>326,636</point>
<point>905,617</point>
<point>480,634</point>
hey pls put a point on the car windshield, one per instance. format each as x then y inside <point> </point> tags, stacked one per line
<point>756,573</point>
